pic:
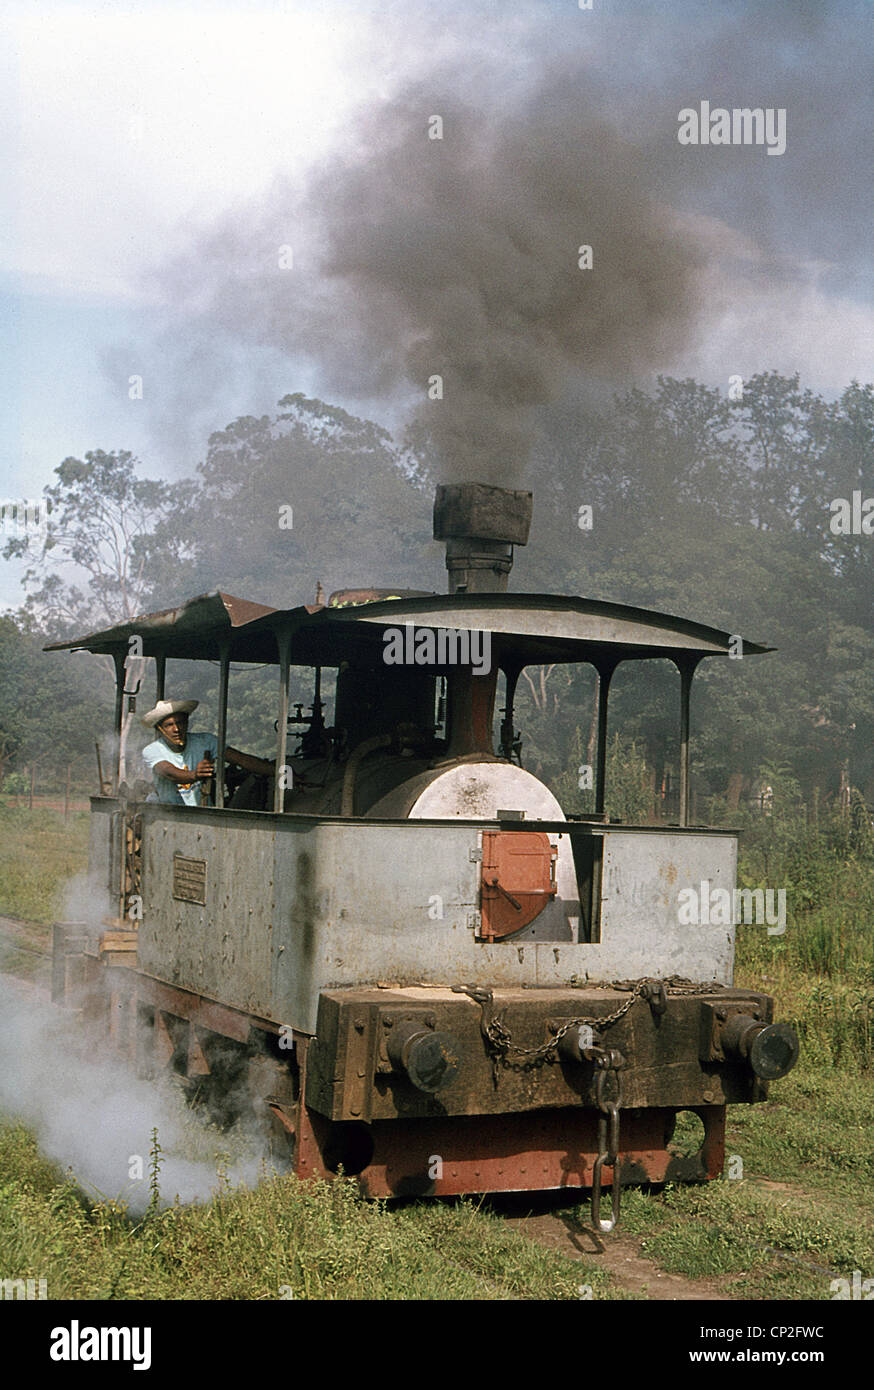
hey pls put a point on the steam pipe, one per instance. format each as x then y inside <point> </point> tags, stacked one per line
<point>347,803</point>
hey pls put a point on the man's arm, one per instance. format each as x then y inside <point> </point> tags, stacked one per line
<point>203,770</point>
<point>248,762</point>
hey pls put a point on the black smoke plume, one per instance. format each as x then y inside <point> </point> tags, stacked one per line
<point>416,258</point>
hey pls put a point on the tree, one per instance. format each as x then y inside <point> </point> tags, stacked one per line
<point>101,527</point>
<point>711,509</point>
<point>108,529</point>
<point>719,511</point>
<point>775,416</point>
<point>47,704</point>
<point>309,495</point>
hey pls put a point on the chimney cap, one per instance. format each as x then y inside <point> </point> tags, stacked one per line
<point>481,510</point>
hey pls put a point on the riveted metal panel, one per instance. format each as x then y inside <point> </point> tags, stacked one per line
<point>541,1151</point>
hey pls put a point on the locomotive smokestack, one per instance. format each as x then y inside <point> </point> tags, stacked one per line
<point>480,525</point>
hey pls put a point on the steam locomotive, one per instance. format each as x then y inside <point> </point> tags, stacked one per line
<point>426,974</point>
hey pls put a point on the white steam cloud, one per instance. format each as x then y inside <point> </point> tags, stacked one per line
<point>92,1114</point>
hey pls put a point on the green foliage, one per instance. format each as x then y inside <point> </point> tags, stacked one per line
<point>801,1212</point>
<point>359,514</point>
<point>155,1152</point>
<point>822,967</point>
<point>112,530</point>
<point>287,1239</point>
<point>47,708</point>
<point>39,855</point>
<point>628,795</point>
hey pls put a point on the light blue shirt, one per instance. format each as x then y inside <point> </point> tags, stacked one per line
<point>196,747</point>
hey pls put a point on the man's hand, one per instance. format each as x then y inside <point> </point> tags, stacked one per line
<point>182,775</point>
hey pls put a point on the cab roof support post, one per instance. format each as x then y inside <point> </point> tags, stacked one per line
<point>605,671</point>
<point>224,668</point>
<point>686,666</point>
<point>160,670</point>
<point>512,672</point>
<point>119,658</point>
<point>283,643</point>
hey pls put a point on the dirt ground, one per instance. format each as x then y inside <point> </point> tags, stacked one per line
<point>618,1254</point>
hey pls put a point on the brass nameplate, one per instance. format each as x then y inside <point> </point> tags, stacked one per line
<point>189,880</point>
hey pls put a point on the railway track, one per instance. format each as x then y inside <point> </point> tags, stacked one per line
<point>18,933</point>
<point>20,945</point>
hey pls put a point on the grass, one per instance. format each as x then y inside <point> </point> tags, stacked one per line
<point>800,1214</point>
<point>821,969</point>
<point>737,1236</point>
<point>285,1239</point>
<point>39,855</point>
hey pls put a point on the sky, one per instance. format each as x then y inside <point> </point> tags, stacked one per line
<point>141,141</point>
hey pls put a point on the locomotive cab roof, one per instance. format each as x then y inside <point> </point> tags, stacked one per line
<point>529,629</point>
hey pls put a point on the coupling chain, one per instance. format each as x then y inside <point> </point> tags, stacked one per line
<point>505,1052</point>
<point>527,1058</point>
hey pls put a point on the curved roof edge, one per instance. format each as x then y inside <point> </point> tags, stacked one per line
<point>530,628</point>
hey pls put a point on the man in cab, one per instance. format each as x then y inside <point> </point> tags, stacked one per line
<point>182,763</point>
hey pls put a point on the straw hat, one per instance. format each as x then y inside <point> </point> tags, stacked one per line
<point>164,708</point>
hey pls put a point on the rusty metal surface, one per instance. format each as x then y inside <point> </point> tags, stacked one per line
<point>518,880</point>
<point>479,790</point>
<point>311,1130</point>
<point>193,629</point>
<point>539,1151</point>
<point>208,1014</point>
<point>353,598</point>
<point>482,511</point>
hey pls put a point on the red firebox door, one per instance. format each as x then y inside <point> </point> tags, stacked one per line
<point>518,880</point>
